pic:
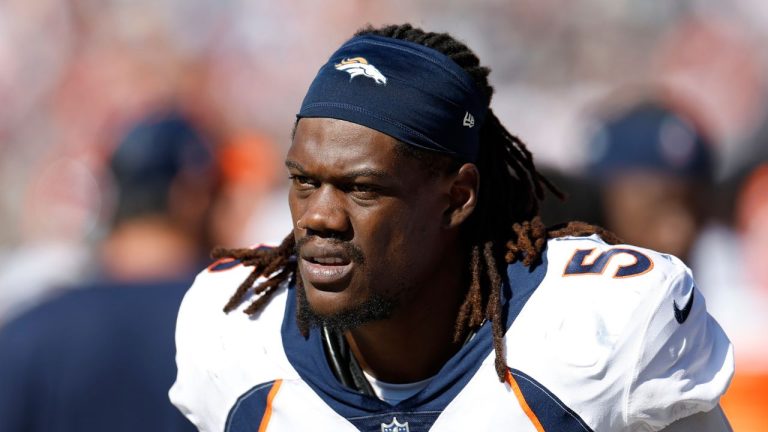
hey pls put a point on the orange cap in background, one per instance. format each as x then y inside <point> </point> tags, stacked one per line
<point>249,158</point>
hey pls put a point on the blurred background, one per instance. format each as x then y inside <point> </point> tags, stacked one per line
<point>652,116</point>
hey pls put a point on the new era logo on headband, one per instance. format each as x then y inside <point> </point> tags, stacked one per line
<point>469,120</point>
<point>359,66</point>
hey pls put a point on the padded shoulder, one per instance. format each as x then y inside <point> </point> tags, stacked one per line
<point>621,326</point>
<point>221,355</point>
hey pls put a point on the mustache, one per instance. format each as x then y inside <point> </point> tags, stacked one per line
<point>351,250</point>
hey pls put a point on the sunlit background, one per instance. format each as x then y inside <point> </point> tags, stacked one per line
<point>77,75</point>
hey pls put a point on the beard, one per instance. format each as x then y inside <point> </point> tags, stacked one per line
<point>374,308</point>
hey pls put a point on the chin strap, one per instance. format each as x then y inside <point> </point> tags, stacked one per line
<point>343,363</point>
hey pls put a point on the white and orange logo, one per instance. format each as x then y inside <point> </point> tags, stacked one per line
<point>357,66</point>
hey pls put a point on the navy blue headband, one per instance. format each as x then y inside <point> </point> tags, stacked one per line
<point>410,92</point>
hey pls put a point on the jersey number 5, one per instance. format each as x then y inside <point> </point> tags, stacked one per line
<point>580,264</point>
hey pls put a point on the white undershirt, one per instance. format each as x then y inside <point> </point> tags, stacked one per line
<point>395,393</point>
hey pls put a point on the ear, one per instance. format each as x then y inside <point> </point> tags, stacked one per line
<point>462,195</point>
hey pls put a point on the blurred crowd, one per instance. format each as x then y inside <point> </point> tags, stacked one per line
<point>135,135</point>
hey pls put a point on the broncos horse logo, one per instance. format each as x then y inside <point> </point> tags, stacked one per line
<point>359,66</point>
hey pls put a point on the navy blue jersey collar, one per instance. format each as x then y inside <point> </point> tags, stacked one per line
<point>308,358</point>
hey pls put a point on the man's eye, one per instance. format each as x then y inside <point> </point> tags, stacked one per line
<point>301,181</point>
<point>364,191</point>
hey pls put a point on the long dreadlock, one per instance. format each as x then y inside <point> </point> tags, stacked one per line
<point>504,228</point>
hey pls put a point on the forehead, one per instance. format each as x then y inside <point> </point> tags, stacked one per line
<point>330,144</point>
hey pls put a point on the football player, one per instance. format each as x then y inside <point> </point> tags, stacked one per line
<point>419,290</point>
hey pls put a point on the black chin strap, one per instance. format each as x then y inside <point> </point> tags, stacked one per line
<point>343,363</point>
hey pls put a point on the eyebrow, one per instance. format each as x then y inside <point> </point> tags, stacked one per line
<point>351,175</point>
<point>295,165</point>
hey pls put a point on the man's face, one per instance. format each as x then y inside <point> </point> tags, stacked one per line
<point>368,222</point>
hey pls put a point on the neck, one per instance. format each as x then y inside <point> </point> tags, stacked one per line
<point>417,340</point>
<point>148,248</point>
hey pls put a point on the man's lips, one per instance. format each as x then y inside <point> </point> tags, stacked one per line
<point>327,277</point>
<point>328,260</point>
<point>325,254</point>
<point>325,267</point>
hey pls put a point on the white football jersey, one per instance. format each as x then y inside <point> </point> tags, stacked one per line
<point>599,338</point>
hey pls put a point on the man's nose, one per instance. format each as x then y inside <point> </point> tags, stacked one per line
<point>325,214</point>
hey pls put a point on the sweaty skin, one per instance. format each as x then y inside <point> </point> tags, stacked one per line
<point>371,222</point>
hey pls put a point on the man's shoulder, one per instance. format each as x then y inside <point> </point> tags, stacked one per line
<point>202,310</point>
<point>586,276</point>
<point>591,256</point>
<point>595,294</point>
<point>585,280</point>
<point>616,322</point>
<point>221,355</point>
<point>609,278</point>
<point>216,283</point>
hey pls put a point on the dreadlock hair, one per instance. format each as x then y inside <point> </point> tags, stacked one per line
<point>504,228</point>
